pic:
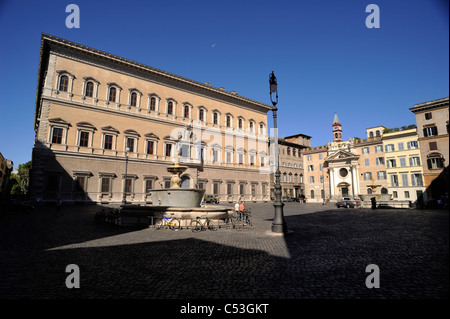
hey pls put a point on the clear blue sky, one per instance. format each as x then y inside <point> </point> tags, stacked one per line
<point>324,56</point>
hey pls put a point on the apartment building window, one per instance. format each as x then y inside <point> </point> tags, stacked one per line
<point>413,145</point>
<point>309,158</point>
<point>242,189</point>
<point>416,179</point>
<point>216,188</point>
<point>379,160</point>
<point>229,188</point>
<point>435,162</point>
<point>129,185</point>
<point>430,131</point>
<point>321,167</point>
<point>365,150</point>
<point>201,115</point>
<point>406,194</point>
<point>148,185</point>
<point>215,118</point>
<point>228,121</point>
<point>240,123</point>
<point>311,179</point>
<point>402,161</point>
<point>253,189</point>
<point>389,148</point>
<point>414,161</point>
<point>133,99</point>
<point>367,176</point>
<point>167,183</point>
<point>284,178</point>
<point>394,194</point>
<point>186,112</point>
<point>310,168</point>
<point>252,160</point>
<point>366,162</point>
<point>320,156</point>
<point>394,180</point>
<point>381,175</point>
<point>228,157</point>
<point>433,146</point>
<point>378,148</point>
<point>391,163</point>
<point>241,158</point>
<point>428,116</point>
<point>405,180</point>
<point>150,147</point>
<point>130,141</point>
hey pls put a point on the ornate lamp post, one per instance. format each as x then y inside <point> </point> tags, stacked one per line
<point>278,225</point>
<point>124,195</point>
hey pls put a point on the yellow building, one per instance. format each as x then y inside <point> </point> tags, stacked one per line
<point>99,115</point>
<point>403,165</point>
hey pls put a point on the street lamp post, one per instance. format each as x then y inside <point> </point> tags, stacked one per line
<point>278,225</point>
<point>124,195</point>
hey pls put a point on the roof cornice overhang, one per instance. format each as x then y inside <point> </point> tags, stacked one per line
<point>49,42</point>
<point>440,103</point>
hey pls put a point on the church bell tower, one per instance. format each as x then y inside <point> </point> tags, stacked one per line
<point>337,129</point>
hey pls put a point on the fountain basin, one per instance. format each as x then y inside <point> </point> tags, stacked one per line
<point>177,197</point>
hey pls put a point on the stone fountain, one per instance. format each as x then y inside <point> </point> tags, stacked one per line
<point>182,203</point>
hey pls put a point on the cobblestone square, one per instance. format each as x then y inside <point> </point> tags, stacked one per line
<point>323,256</point>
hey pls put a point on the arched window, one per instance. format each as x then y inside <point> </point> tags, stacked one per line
<point>186,111</point>
<point>369,191</point>
<point>384,191</point>
<point>377,133</point>
<point>312,194</point>
<point>64,83</point>
<point>133,99</point>
<point>261,128</point>
<point>239,123</point>
<point>251,126</point>
<point>152,103</point>
<point>370,134</point>
<point>215,118</point>
<point>228,121</point>
<point>170,107</point>
<point>112,94</point>
<point>201,115</point>
<point>90,89</point>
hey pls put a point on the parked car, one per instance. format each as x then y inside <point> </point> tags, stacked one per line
<point>211,199</point>
<point>349,202</point>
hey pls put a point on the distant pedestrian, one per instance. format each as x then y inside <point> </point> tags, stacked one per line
<point>241,209</point>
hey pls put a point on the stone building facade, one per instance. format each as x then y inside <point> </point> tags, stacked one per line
<point>433,135</point>
<point>99,115</point>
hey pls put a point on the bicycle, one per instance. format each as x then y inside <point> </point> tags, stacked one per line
<point>202,223</point>
<point>168,222</point>
<point>238,219</point>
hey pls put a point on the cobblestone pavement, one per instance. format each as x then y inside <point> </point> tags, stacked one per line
<point>324,255</point>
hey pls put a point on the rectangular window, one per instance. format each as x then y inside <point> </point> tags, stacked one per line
<point>150,147</point>
<point>430,131</point>
<point>401,146</point>
<point>229,189</point>
<point>148,185</point>
<point>378,148</point>
<point>405,180</point>
<point>394,181</point>
<point>416,179</point>
<point>216,188</point>
<point>414,161</point>
<point>311,179</point>
<point>108,141</point>
<point>435,163</point>
<point>168,152</point>
<point>390,148</point>
<point>166,183</point>
<point>433,146</point>
<point>365,150</point>
<point>391,163</point>
<point>412,145</point>
<point>309,157</point>
<point>253,189</point>
<point>242,189</point>
<point>264,189</point>
<point>380,160</point>
<point>428,116</point>
<point>84,139</point>
<point>261,160</point>
<point>402,161</point>
<point>228,157</point>
<point>381,175</point>
<point>406,194</point>
<point>80,184</point>
<point>252,160</point>
<point>106,184</point>
<point>395,194</point>
<point>310,168</point>
<point>366,162</point>
<point>130,144</point>
<point>215,156</point>
<point>129,185</point>
<point>241,158</point>
<point>57,135</point>
<point>367,176</point>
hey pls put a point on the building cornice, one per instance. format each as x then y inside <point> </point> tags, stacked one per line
<point>435,104</point>
<point>47,39</point>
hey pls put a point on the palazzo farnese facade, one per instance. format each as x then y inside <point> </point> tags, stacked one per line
<point>98,115</point>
